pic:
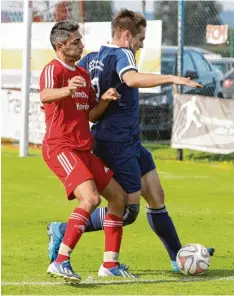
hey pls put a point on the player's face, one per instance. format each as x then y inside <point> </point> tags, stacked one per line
<point>137,41</point>
<point>73,48</point>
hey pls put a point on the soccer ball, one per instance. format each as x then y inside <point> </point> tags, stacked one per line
<point>193,259</point>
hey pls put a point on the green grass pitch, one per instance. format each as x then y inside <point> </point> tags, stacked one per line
<point>199,197</point>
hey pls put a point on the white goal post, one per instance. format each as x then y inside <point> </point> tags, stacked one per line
<point>23,145</point>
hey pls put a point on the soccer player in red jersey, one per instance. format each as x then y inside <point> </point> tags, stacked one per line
<point>69,100</point>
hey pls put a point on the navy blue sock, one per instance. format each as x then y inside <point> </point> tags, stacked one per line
<point>95,222</point>
<point>162,225</point>
<point>63,228</point>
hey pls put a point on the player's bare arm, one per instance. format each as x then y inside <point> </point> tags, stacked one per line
<point>49,95</point>
<point>144,80</point>
<point>110,95</point>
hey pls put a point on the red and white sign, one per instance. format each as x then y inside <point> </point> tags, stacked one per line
<point>216,34</point>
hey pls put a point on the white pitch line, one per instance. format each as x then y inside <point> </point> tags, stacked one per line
<point>32,283</point>
<point>98,282</point>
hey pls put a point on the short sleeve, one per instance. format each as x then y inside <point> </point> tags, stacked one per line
<point>50,77</point>
<point>125,61</point>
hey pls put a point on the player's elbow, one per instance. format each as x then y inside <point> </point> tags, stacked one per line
<point>131,83</point>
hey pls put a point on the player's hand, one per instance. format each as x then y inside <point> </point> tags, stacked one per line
<point>110,95</point>
<point>186,81</point>
<point>76,82</point>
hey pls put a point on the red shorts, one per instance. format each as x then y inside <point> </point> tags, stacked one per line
<point>75,167</point>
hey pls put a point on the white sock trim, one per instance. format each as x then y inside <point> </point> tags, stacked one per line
<point>111,256</point>
<point>65,250</point>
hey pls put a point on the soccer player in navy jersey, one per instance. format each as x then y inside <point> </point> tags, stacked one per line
<point>117,131</point>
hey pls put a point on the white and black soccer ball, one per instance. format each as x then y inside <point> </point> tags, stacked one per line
<point>193,259</point>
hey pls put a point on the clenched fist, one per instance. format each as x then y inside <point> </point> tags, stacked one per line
<point>75,83</point>
<point>110,95</point>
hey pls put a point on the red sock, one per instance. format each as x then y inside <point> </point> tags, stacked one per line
<point>113,228</point>
<point>75,227</point>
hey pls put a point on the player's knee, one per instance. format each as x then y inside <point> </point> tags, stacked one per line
<point>92,201</point>
<point>124,198</point>
<point>120,198</point>
<point>131,213</point>
<point>96,201</point>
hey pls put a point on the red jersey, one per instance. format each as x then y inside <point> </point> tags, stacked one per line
<point>67,120</point>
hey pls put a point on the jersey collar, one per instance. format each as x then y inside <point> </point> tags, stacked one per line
<point>65,65</point>
<point>111,45</point>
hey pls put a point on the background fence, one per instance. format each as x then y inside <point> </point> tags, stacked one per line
<point>155,110</point>
<point>197,15</point>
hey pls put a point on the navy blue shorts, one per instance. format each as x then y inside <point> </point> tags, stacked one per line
<point>129,161</point>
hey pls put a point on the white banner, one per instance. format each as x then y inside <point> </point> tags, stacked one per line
<point>10,116</point>
<point>203,123</point>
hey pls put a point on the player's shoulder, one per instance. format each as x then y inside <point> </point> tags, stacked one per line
<point>91,55</point>
<point>120,53</point>
<point>88,57</point>
<point>86,60</point>
<point>54,66</point>
<point>114,49</point>
<point>125,52</point>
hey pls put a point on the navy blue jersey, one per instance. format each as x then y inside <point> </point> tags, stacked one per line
<point>120,121</point>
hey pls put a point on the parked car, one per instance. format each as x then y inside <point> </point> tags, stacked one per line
<point>156,109</point>
<point>228,85</point>
<point>223,64</point>
<point>212,57</point>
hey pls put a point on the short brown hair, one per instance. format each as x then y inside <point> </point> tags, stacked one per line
<point>127,20</point>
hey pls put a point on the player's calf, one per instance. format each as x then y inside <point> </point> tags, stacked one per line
<point>113,223</point>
